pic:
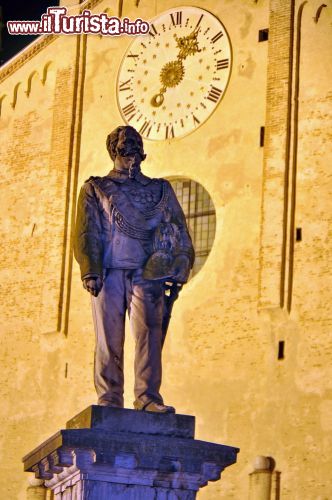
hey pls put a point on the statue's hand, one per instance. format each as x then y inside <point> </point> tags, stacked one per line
<point>181,269</point>
<point>93,285</point>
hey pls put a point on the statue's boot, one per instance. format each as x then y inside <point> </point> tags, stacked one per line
<point>153,406</point>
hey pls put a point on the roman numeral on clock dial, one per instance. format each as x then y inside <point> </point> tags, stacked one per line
<point>125,85</point>
<point>133,55</point>
<point>223,64</point>
<point>196,121</point>
<point>176,18</point>
<point>217,37</point>
<point>169,131</point>
<point>214,94</point>
<point>153,32</point>
<point>129,111</point>
<point>145,129</point>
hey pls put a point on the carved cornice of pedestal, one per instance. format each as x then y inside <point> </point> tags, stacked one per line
<point>133,449</point>
<point>53,463</point>
<point>129,459</point>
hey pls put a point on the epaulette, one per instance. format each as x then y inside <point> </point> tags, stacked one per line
<point>93,178</point>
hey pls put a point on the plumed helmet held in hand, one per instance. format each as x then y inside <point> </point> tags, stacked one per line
<point>125,141</point>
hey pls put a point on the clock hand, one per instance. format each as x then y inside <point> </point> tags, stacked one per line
<point>188,45</point>
<point>172,73</point>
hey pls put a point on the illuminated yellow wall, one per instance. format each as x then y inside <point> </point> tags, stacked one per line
<point>256,289</point>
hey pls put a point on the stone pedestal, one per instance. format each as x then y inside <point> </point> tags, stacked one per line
<point>124,454</point>
<point>264,482</point>
<point>36,489</point>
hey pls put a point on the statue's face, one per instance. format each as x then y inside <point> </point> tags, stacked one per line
<point>128,149</point>
<point>129,142</point>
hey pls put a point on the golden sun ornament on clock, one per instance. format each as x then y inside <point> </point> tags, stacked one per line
<point>172,79</point>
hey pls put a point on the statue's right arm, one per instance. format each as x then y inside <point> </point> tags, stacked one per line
<point>93,285</point>
<point>88,245</point>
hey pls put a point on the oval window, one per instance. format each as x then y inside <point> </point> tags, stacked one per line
<point>200,214</point>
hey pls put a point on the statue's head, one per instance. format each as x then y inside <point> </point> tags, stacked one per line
<point>125,141</point>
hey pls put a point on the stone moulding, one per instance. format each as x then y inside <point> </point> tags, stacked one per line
<point>143,462</point>
<point>26,55</point>
<point>125,420</point>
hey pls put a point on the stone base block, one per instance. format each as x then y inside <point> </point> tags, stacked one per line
<point>113,453</point>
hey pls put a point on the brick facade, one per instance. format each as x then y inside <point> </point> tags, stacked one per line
<point>258,287</point>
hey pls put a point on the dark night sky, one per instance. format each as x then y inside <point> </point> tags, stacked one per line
<point>12,10</point>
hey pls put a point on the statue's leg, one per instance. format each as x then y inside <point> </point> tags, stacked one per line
<point>145,306</point>
<point>109,310</point>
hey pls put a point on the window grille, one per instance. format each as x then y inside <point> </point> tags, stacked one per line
<point>200,214</point>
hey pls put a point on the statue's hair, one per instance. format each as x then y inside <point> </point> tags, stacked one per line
<point>124,135</point>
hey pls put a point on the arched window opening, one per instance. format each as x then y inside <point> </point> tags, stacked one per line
<point>200,215</point>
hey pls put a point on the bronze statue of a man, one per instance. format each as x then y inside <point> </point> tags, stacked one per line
<point>134,252</point>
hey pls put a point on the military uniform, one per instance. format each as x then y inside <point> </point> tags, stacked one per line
<point>117,219</point>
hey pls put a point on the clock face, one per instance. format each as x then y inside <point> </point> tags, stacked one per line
<point>172,79</point>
